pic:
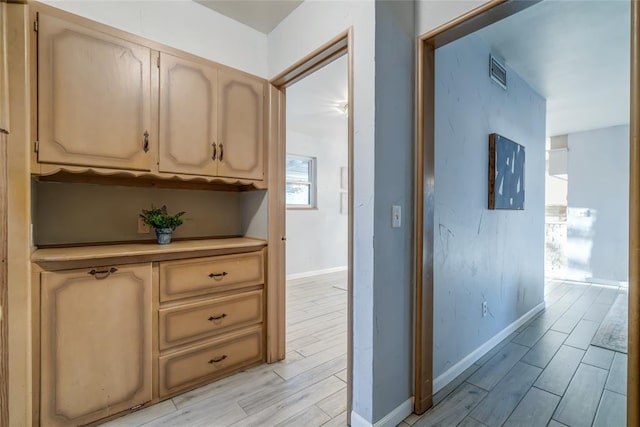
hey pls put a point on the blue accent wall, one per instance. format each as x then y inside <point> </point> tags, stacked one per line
<point>480,255</point>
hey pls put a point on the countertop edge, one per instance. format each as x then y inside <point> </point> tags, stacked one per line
<point>145,252</point>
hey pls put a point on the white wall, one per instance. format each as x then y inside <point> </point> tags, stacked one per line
<point>182,24</point>
<point>556,178</point>
<point>598,204</point>
<point>482,255</point>
<point>555,191</point>
<point>430,14</point>
<point>317,239</point>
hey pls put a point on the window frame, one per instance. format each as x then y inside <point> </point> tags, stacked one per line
<point>312,182</point>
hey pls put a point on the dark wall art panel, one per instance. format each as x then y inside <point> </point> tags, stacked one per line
<point>506,173</point>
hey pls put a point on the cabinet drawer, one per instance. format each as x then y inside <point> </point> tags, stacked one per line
<point>187,278</point>
<point>189,322</point>
<point>189,367</point>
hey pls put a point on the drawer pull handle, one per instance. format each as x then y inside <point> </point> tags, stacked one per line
<point>217,359</point>
<point>145,147</point>
<point>218,276</point>
<point>218,316</point>
<point>102,274</point>
<point>215,152</point>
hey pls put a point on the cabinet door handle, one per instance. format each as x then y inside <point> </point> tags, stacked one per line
<point>218,276</point>
<point>217,359</point>
<point>217,317</point>
<point>102,274</point>
<point>215,151</point>
<point>146,141</point>
<point>221,151</point>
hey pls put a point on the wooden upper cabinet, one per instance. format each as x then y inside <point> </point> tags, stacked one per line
<point>104,103</point>
<point>241,125</point>
<point>95,343</point>
<point>188,116</point>
<point>4,76</point>
<point>94,97</point>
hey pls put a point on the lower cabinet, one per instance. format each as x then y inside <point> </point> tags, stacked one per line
<point>104,329</point>
<point>210,319</point>
<point>95,337</point>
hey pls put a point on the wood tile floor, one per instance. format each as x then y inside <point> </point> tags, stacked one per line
<point>306,389</point>
<point>544,374</point>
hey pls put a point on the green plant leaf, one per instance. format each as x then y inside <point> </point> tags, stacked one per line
<point>160,218</point>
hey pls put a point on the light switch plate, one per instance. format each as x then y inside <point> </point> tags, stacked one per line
<point>396,216</point>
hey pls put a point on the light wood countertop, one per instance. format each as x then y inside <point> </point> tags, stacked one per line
<point>128,253</point>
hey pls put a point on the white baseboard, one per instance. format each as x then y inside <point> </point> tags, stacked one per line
<point>316,272</point>
<point>358,421</point>
<point>607,282</point>
<point>461,366</point>
<point>392,419</point>
<point>395,417</point>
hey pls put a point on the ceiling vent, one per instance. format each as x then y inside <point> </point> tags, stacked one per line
<point>498,72</point>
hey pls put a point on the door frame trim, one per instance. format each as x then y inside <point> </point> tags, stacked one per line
<point>633,364</point>
<point>340,45</point>
<point>4,282</point>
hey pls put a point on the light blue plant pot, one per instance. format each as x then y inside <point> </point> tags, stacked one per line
<point>164,235</point>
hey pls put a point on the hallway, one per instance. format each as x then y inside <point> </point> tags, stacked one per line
<point>545,373</point>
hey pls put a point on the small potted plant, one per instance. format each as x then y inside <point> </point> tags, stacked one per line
<point>162,222</point>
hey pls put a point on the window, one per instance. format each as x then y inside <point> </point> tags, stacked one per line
<point>301,181</point>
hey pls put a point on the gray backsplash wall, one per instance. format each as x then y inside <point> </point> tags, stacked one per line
<point>254,213</point>
<point>79,213</point>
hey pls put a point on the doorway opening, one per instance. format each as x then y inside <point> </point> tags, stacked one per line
<point>432,227</point>
<point>311,294</point>
<point>316,194</point>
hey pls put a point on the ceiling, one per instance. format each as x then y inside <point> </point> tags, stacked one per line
<point>316,104</point>
<point>263,15</point>
<point>576,55</point>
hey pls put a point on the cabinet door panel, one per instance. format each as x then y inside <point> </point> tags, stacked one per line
<point>94,92</point>
<point>241,126</point>
<point>95,343</point>
<point>188,121</point>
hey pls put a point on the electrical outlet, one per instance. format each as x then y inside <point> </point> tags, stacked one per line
<point>143,228</point>
<point>485,310</point>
